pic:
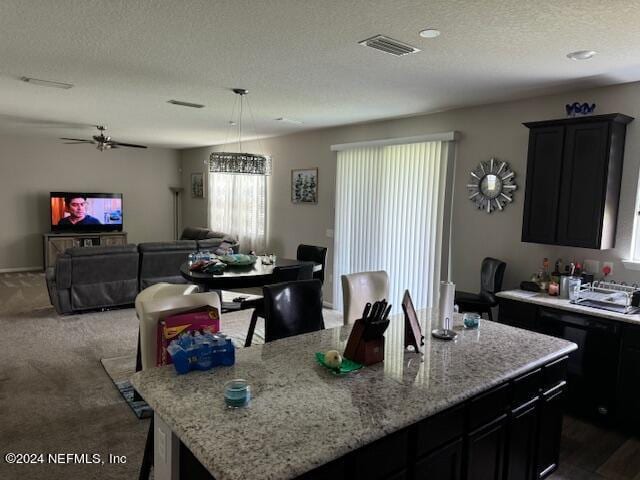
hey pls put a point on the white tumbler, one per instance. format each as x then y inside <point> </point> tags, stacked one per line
<point>444,323</point>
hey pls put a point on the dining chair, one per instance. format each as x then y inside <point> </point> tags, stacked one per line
<point>152,305</point>
<point>160,303</point>
<point>292,308</point>
<point>358,289</point>
<point>491,276</point>
<point>280,274</point>
<point>315,254</point>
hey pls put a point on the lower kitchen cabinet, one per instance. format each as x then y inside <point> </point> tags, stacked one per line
<point>443,464</point>
<point>522,434</point>
<point>629,378</point>
<point>486,451</point>
<point>603,375</point>
<point>550,429</point>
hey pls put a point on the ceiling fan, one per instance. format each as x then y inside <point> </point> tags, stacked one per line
<point>102,142</point>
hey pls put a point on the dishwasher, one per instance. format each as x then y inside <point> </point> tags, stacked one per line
<point>593,368</point>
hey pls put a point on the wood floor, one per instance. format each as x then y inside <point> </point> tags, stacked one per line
<point>590,452</point>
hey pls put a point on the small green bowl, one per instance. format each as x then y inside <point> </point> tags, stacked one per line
<point>346,366</point>
<point>238,260</point>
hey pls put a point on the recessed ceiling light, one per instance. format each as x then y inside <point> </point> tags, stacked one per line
<point>46,83</point>
<point>581,55</point>
<point>429,33</point>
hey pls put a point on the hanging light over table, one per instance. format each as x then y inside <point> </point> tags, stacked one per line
<point>238,162</point>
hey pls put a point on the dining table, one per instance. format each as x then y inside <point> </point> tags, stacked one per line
<point>233,277</point>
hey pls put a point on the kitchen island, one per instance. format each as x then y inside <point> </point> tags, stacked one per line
<point>412,416</point>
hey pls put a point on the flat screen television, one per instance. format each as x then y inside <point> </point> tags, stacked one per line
<point>84,212</point>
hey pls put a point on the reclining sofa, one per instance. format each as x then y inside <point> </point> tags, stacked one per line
<point>89,278</point>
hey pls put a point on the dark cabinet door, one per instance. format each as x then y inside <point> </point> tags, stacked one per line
<point>574,167</point>
<point>550,429</point>
<point>442,464</point>
<point>584,184</point>
<point>523,429</point>
<point>518,314</point>
<point>629,380</point>
<point>544,164</point>
<point>486,451</point>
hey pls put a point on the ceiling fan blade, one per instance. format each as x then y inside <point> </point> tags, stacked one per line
<point>76,139</point>
<point>78,143</point>
<point>119,144</point>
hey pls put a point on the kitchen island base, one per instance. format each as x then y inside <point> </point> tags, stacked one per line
<point>512,431</point>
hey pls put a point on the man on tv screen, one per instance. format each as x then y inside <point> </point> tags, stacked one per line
<point>76,206</point>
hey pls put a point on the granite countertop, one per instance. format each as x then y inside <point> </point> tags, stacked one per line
<point>298,405</point>
<point>540,298</point>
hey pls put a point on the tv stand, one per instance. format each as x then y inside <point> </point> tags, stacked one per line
<point>56,243</point>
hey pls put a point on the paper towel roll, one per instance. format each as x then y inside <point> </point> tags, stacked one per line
<point>445,305</point>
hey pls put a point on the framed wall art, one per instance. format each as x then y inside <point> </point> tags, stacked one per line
<point>197,185</point>
<point>304,185</point>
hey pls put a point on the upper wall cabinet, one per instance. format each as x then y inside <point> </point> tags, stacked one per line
<point>574,168</point>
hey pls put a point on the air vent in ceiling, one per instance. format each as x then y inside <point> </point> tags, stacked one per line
<point>389,45</point>
<point>185,104</point>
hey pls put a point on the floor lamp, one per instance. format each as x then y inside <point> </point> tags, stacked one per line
<point>176,210</point>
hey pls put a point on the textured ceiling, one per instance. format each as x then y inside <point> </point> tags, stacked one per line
<point>299,58</point>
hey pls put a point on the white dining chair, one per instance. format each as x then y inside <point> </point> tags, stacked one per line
<point>358,289</point>
<point>159,301</point>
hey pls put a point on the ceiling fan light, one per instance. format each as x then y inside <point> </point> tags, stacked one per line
<point>46,83</point>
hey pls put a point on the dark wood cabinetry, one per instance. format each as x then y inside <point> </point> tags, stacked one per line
<point>603,375</point>
<point>444,463</point>
<point>629,379</point>
<point>550,429</point>
<point>542,191</point>
<point>486,451</point>
<point>522,434</point>
<point>574,168</point>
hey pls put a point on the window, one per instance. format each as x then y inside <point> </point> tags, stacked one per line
<point>237,206</point>
<point>634,254</point>
<point>390,215</point>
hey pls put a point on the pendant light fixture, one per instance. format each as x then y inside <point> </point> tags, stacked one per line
<point>239,162</point>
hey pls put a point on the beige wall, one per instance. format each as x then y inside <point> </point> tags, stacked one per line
<point>486,131</point>
<point>31,167</point>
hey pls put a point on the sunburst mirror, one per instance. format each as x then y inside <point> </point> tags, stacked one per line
<point>491,185</point>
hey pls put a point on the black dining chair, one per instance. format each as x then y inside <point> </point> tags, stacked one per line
<point>315,254</point>
<point>286,273</point>
<point>292,308</point>
<point>491,276</point>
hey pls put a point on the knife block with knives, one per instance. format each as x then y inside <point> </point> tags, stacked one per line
<point>366,342</point>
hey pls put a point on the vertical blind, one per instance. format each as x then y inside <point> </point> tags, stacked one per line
<point>237,205</point>
<point>389,216</point>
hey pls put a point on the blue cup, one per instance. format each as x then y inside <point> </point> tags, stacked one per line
<point>237,393</point>
<point>471,320</point>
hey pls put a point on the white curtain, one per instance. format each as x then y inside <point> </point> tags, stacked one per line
<point>390,215</point>
<point>237,205</point>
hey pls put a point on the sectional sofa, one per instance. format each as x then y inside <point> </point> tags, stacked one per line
<point>90,278</point>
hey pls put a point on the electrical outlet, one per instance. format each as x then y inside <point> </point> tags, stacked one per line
<point>592,266</point>
<point>329,233</point>
<point>610,266</point>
